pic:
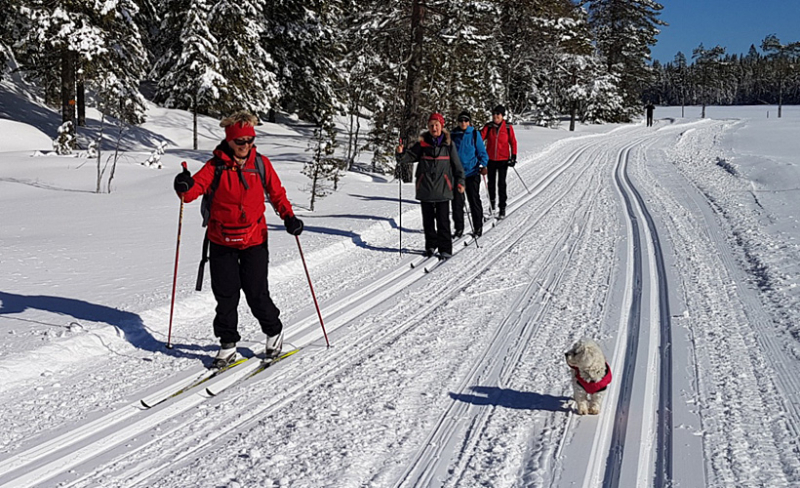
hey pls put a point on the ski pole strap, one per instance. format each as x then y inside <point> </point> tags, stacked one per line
<point>203,260</point>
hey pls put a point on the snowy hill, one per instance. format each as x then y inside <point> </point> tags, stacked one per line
<point>675,247</point>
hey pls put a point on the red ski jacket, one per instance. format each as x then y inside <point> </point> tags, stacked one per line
<point>237,208</point>
<point>498,139</point>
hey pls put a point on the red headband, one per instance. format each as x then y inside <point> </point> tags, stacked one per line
<point>437,116</point>
<point>238,130</point>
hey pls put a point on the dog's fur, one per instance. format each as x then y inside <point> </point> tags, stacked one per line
<point>587,356</point>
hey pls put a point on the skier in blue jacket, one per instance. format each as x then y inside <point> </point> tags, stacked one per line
<point>474,159</point>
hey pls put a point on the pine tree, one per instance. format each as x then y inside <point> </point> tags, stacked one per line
<point>785,62</point>
<point>189,72</point>
<point>708,68</point>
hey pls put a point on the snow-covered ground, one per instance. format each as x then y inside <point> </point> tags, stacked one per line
<point>675,247</point>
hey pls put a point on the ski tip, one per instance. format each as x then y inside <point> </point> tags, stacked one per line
<point>210,393</point>
<point>144,404</point>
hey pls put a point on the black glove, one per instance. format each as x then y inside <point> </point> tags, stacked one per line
<point>183,181</point>
<point>294,226</point>
<point>512,161</point>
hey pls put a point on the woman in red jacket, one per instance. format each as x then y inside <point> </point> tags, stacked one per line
<point>237,231</point>
<point>501,144</point>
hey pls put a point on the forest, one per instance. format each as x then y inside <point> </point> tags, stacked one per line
<point>389,61</point>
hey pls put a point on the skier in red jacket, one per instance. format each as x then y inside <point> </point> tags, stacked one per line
<point>498,136</point>
<point>237,231</point>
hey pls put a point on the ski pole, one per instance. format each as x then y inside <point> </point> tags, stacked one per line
<point>520,179</point>
<point>175,273</point>
<point>491,214</point>
<point>400,201</point>
<point>311,287</point>
<point>469,218</point>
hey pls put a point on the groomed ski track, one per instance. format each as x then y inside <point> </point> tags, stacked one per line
<point>596,263</point>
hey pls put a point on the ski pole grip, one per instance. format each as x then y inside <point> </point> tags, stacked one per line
<point>184,165</point>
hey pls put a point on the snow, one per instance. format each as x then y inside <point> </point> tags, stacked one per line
<point>451,378</point>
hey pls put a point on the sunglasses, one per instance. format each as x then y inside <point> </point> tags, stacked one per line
<point>244,142</point>
<point>463,119</point>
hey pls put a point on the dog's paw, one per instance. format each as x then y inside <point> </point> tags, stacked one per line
<point>594,409</point>
<point>582,408</point>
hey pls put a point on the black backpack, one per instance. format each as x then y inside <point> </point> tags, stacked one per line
<point>205,204</point>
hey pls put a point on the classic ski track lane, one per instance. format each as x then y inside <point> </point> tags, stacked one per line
<point>308,332</point>
<point>635,354</point>
<point>664,426</point>
<point>454,437</point>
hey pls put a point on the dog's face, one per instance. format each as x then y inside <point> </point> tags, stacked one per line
<point>584,354</point>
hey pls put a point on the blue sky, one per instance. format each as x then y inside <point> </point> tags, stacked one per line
<point>733,24</point>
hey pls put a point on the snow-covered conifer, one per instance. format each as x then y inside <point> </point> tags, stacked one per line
<point>624,31</point>
<point>247,68</point>
<point>188,73</point>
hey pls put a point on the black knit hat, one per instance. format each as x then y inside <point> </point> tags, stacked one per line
<point>464,115</point>
<point>499,110</point>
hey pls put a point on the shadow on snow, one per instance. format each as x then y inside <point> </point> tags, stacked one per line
<point>520,400</point>
<point>129,323</point>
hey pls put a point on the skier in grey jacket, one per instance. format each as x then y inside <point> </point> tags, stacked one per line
<point>439,174</point>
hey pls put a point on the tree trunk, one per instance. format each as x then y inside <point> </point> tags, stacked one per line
<point>81,99</point>
<point>572,112</point>
<point>68,88</point>
<point>411,115</point>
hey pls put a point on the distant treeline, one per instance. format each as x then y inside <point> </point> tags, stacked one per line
<point>768,76</point>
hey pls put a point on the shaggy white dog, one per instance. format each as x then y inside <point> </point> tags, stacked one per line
<point>591,375</point>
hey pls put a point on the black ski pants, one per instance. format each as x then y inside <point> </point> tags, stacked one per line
<point>233,270</point>
<point>436,223</point>
<point>472,194</point>
<point>497,173</point>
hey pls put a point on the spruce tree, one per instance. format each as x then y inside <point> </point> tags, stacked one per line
<point>188,71</point>
<point>94,43</point>
<point>300,38</point>
<point>251,80</point>
<point>624,31</point>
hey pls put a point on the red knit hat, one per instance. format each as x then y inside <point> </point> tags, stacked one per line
<point>238,131</point>
<point>437,116</point>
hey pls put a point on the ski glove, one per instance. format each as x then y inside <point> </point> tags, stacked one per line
<point>512,161</point>
<point>183,181</point>
<point>482,170</point>
<point>294,226</point>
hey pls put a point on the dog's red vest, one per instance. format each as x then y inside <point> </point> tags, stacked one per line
<point>593,387</point>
